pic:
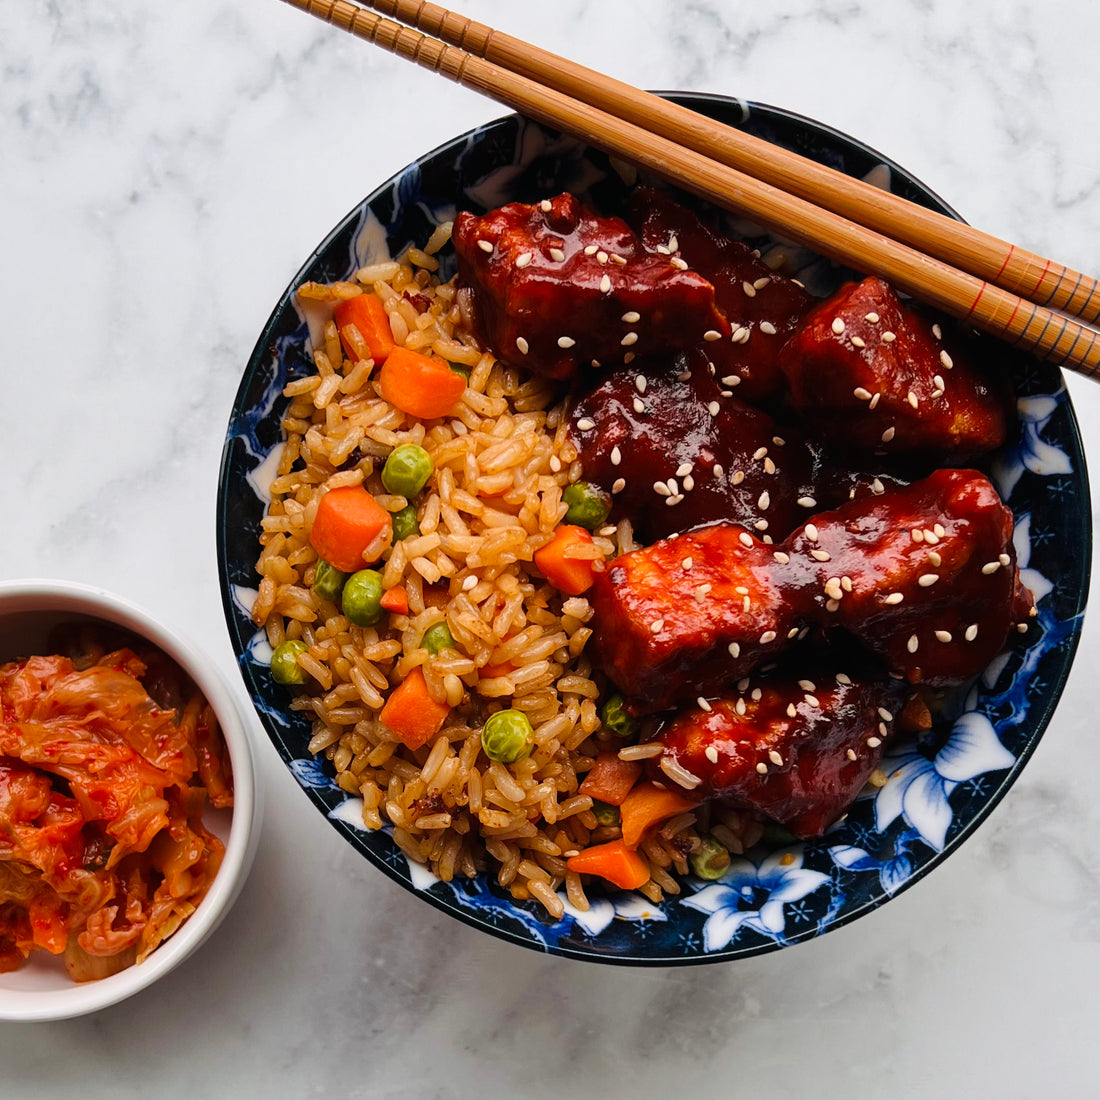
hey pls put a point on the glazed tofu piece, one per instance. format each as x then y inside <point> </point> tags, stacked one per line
<point>796,750</point>
<point>925,576</point>
<point>763,307</point>
<point>556,287</point>
<point>867,371</point>
<point>681,618</point>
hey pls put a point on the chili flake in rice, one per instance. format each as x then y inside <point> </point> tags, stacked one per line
<point>501,460</point>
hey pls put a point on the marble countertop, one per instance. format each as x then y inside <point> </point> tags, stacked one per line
<point>165,169</point>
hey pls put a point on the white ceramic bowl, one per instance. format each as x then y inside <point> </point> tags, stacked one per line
<point>41,989</point>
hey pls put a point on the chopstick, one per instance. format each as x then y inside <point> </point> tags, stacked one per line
<point>973,298</point>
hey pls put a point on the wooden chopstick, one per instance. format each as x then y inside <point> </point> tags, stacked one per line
<point>1029,325</point>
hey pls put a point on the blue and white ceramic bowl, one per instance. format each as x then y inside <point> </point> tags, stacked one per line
<point>939,790</point>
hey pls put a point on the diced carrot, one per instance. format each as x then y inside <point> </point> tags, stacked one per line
<point>395,599</point>
<point>613,861</point>
<point>646,807</point>
<point>368,315</point>
<point>420,386</point>
<point>411,713</point>
<point>496,670</point>
<point>349,523</point>
<point>610,778</point>
<point>573,576</point>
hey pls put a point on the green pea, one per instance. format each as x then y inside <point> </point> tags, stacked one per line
<point>362,599</point>
<point>711,860</point>
<point>615,718</point>
<point>588,504</point>
<point>284,662</point>
<point>405,524</point>
<point>506,736</point>
<point>437,637</point>
<point>605,813</point>
<point>464,371</point>
<point>328,580</point>
<point>407,470</point>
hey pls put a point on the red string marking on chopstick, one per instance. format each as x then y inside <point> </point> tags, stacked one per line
<point>1015,310</point>
<point>978,298</point>
<point>1042,276</point>
<point>1008,256</point>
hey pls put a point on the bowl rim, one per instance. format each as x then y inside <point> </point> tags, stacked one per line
<point>37,594</point>
<point>588,952</point>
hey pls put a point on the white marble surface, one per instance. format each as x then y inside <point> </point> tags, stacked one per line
<point>164,170</point>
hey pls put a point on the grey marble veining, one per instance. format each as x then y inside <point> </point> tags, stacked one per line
<point>164,169</point>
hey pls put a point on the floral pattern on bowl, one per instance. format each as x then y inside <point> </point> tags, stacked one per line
<point>938,791</point>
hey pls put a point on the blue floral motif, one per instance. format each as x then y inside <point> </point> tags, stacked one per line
<point>1031,451</point>
<point>920,787</point>
<point>893,872</point>
<point>751,895</point>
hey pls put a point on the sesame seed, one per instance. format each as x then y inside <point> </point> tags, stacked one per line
<point>628,339</point>
<point>991,567</point>
<point>673,243</point>
<point>775,758</point>
<point>912,398</point>
<point>619,485</point>
<point>762,768</point>
<point>931,537</point>
<point>812,700</point>
<point>807,502</point>
<point>631,318</point>
<point>714,408</point>
<point>781,557</point>
<point>749,289</point>
<point>872,317</point>
<point>555,463</point>
<point>639,407</point>
<point>640,384</point>
<point>711,335</point>
<point>872,742</point>
<point>838,325</point>
<point>946,360</point>
<point>833,589</point>
<point>605,284</point>
<point>764,501</point>
<point>757,695</point>
<point>779,441</point>
<point>916,534</point>
<point>717,469</point>
<point>832,605</point>
<point>971,632</point>
<point>820,555</point>
<point>851,754</point>
<point>888,435</point>
<point>1004,559</point>
<point>811,532</point>
<point>858,342</point>
<point>657,626</point>
<point>745,538</point>
<point>792,710</point>
<point>616,456</point>
<point>523,259</point>
<point>769,466</point>
<point>661,489</point>
<point>735,650</point>
<point>934,558</point>
<point>846,584</point>
<point>740,707</point>
<point>485,246</point>
<point>689,483</point>
<point>861,394</point>
<point>740,334</point>
<point>617,259</point>
<point>939,530</point>
<point>678,263</point>
<point>877,487</point>
<point>894,598</point>
<point>566,341</point>
<point>703,704</point>
<point>889,337</point>
<point>602,256</point>
<point>759,453</point>
<point>545,206</point>
<point>943,636</point>
<point>843,678</point>
<point>767,637</point>
<point>557,254</point>
<point>672,486</point>
<point>1021,628</point>
<point>767,328</point>
<point>711,753</point>
<point>926,580</point>
<point>938,382</point>
<point>522,346</point>
<point>590,250</point>
<point>586,425</point>
<point>761,525</point>
<point>469,583</point>
<point>737,477</point>
<point>806,685</point>
<point>912,644</point>
<point>875,400</point>
<point>702,592</point>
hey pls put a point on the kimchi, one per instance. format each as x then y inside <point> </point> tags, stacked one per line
<point>109,757</point>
